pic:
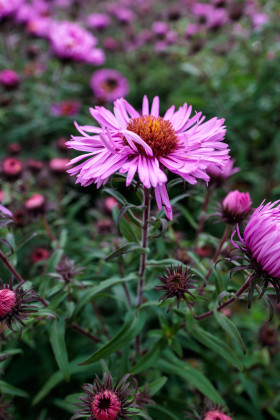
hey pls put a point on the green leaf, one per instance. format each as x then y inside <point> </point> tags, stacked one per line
<point>45,312</point>
<point>231,329</point>
<point>185,212</point>
<point>95,290</point>
<point>155,386</point>
<point>149,359</point>
<point>117,195</point>
<point>57,334</point>
<point>190,375</point>
<point>8,389</point>
<point>123,210</point>
<point>132,327</point>
<point>214,343</point>
<point>126,249</point>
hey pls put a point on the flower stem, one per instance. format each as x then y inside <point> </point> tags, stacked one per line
<point>11,268</point>
<point>228,302</point>
<point>77,327</point>
<point>143,257</point>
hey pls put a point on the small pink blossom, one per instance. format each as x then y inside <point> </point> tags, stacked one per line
<point>7,301</point>
<point>9,78</point>
<point>216,415</point>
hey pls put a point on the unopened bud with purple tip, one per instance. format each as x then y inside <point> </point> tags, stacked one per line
<point>235,207</point>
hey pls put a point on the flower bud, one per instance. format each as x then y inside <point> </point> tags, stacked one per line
<point>9,79</point>
<point>7,302</point>
<point>236,206</point>
<point>40,254</point>
<point>58,166</point>
<point>216,415</point>
<point>12,169</point>
<point>35,204</point>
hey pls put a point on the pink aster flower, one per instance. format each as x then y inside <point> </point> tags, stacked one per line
<point>219,175</point>
<point>146,143</point>
<point>8,7</point>
<point>109,84</point>
<point>216,415</point>
<point>9,79</point>
<point>236,206</point>
<point>66,108</point>
<point>105,401</point>
<point>71,41</point>
<point>98,21</point>
<point>260,244</point>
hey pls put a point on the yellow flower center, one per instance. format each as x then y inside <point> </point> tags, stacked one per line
<point>156,132</point>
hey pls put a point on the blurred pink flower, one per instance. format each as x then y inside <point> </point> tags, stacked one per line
<point>9,78</point>
<point>130,142</point>
<point>71,41</point>
<point>109,84</point>
<point>214,415</point>
<point>98,21</point>
<point>66,108</point>
<point>8,7</point>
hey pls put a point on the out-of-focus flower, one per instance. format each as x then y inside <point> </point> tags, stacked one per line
<point>160,28</point>
<point>9,79</point>
<point>14,148</point>
<point>98,21</point>
<point>66,270</point>
<point>103,401</point>
<point>216,415</point>
<point>124,16</point>
<point>71,41</point>
<point>176,282</point>
<point>109,85</point>
<point>217,17</point>
<point>34,166</point>
<point>14,304</point>
<point>131,142</point>
<point>192,29</point>
<point>36,204</point>
<point>109,204</point>
<point>260,245</point>
<point>268,336</point>
<point>110,44</point>
<point>58,166</point>
<point>40,254</point>
<point>259,20</point>
<point>66,108</point>
<point>9,7</point>
<point>20,218</point>
<point>219,175</point>
<point>236,207</point>
<point>39,26</point>
<point>12,168</point>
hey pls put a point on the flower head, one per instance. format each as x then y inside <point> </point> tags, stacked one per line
<point>146,143</point>
<point>40,254</point>
<point>66,270</point>
<point>176,282</point>
<point>216,415</point>
<point>98,21</point>
<point>71,41</point>
<point>103,401</point>
<point>260,245</point>
<point>8,7</point>
<point>12,168</point>
<point>109,85</point>
<point>36,204</point>
<point>9,78</point>
<point>13,304</point>
<point>219,175</point>
<point>66,108</point>
<point>235,207</point>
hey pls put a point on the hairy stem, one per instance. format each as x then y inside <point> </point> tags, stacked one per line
<point>77,327</point>
<point>143,257</point>
<point>228,302</point>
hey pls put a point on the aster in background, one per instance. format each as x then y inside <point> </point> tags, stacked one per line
<point>176,282</point>
<point>235,207</point>
<point>15,304</point>
<point>105,401</point>
<point>66,270</point>
<point>260,248</point>
<point>9,79</point>
<point>70,41</point>
<point>109,85</point>
<point>146,143</point>
<point>211,412</point>
<point>220,175</point>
